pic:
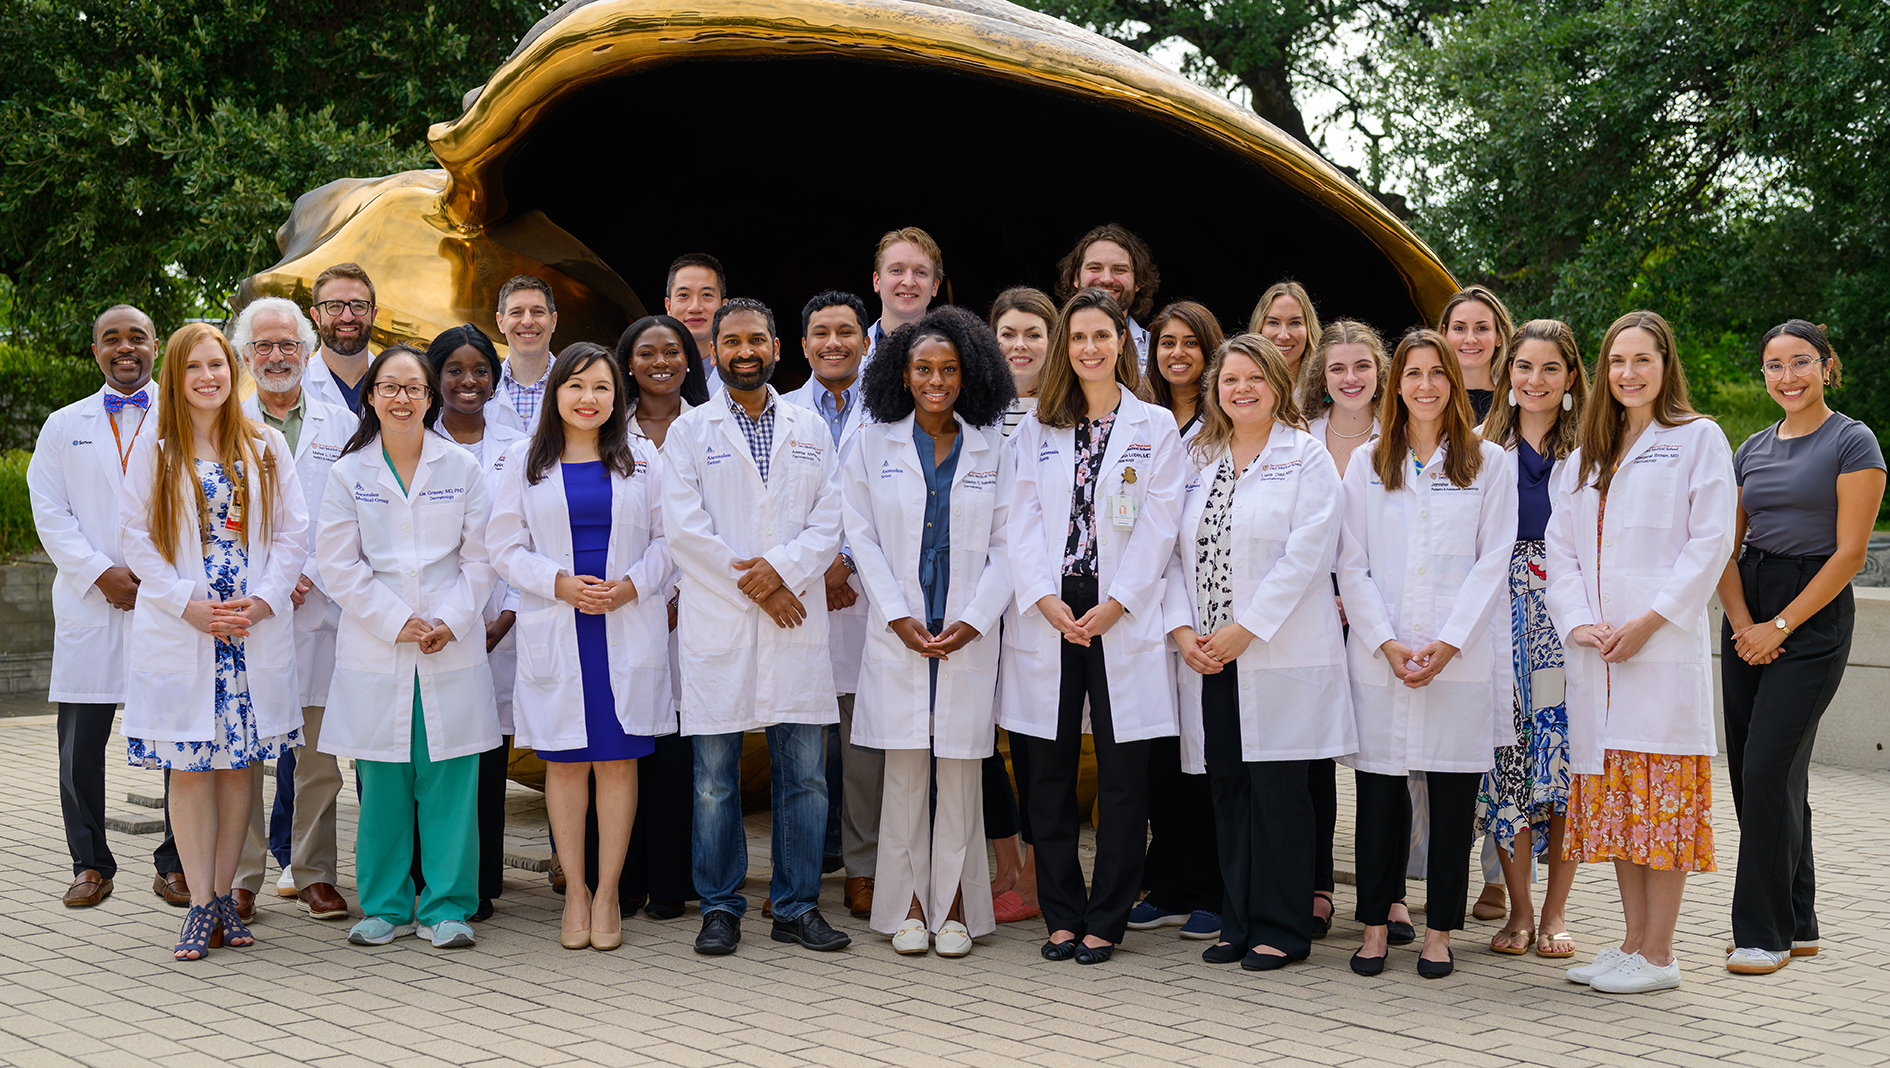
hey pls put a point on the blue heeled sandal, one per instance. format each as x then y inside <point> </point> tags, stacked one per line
<point>193,942</point>
<point>235,931</point>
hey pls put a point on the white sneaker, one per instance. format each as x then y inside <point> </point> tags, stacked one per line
<point>1605,961</point>
<point>911,939</point>
<point>285,886</point>
<point>1805,949</point>
<point>953,940</point>
<point>1750,960</point>
<point>1636,975</point>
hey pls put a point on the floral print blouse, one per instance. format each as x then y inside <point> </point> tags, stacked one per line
<point>1079,548</point>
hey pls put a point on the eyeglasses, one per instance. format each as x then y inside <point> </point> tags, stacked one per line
<point>264,348</point>
<point>390,390</point>
<point>1775,369</point>
<point>336,307</point>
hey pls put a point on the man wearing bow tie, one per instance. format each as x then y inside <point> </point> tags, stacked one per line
<point>74,475</point>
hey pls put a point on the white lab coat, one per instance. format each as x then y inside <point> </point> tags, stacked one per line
<point>501,437</point>
<point>740,670</point>
<point>674,576</point>
<point>1429,562</point>
<point>170,691</point>
<point>73,479</point>
<point>883,492</point>
<point>319,382</point>
<point>1668,533</point>
<point>846,628</point>
<point>387,556</point>
<point>1131,566</point>
<point>1295,703</point>
<point>325,429</point>
<point>531,547</point>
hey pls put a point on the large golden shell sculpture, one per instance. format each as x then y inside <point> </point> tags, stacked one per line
<point>785,136</point>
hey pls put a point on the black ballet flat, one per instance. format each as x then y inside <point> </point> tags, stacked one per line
<point>1060,950</point>
<point>1437,969</point>
<point>1400,934</point>
<point>1367,966</point>
<point>1267,962</point>
<point>1224,953</point>
<point>1322,925</point>
<point>1095,954</point>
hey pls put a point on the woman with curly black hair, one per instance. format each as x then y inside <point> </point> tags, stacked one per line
<point>923,496</point>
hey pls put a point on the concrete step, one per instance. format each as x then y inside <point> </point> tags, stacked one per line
<point>139,823</point>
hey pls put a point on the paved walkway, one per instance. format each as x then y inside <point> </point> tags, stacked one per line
<point>98,987</point>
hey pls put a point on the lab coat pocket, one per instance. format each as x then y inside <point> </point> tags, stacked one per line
<point>1455,516</point>
<point>540,642</point>
<point>162,644</point>
<point>437,524</point>
<point>76,607</point>
<point>1646,499</point>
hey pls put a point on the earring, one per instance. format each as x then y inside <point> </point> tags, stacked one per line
<point>1512,398</point>
<point>1568,401</point>
<point>1328,398</point>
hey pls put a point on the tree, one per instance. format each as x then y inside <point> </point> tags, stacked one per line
<point>152,149</point>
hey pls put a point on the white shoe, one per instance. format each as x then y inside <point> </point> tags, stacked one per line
<point>1750,960</point>
<point>1805,949</point>
<point>911,939</point>
<point>953,940</point>
<point>285,886</point>
<point>1636,975</point>
<point>1605,961</point>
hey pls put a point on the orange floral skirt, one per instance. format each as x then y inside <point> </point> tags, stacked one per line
<point>1645,808</point>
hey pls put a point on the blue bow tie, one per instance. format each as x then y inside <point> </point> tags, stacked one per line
<point>115,402</point>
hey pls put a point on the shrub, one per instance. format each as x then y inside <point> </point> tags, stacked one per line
<point>18,537</point>
<point>32,387</point>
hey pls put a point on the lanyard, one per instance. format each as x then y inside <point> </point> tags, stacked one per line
<point>124,454</point>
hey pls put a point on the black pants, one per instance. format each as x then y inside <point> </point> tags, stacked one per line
<point>492,767</point>
<point>1263,814</point>
<point>1000,803</point>
<point>1182,871</point>
<point>1322,778</point>
<point>657,866</point>
<point>1122,802</point>
<point>84,730</point>
<point>1772,715</point>
<point>1384,845</point>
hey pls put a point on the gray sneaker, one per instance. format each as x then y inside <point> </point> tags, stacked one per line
<point>375,931</point>
<point>448,934</point>
<point>1750,960</point>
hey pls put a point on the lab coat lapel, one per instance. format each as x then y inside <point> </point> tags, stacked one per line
<point>971,452</point>
<point>737,441</point>
<point>1129,423</point>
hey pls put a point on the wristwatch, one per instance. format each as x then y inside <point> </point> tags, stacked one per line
<point>1785,628</point>
<point>848,560</point>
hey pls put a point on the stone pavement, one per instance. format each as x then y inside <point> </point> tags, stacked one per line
<point>98,986</point>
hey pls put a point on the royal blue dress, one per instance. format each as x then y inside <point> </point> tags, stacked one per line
<point>587,496</point>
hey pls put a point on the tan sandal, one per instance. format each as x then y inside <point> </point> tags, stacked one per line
<point>1553,939</point>
<point>1513,940</point>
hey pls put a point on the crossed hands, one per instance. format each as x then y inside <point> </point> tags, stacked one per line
<point>763,585</point>
<point>1618,644</point>
<point>594,596</point>
<point>1209,655</point>
<point>227,620</point>
<point>431,636</point>
<point>1094,624</point>
<point>930,646</point>
<point>1416,668</point>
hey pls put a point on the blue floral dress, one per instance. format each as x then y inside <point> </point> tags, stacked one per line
<point>233,743</point>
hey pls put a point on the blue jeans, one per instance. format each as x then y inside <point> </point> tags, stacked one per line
<point>798,778</point>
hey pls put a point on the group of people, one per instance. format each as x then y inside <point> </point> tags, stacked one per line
<point>1233,562</point>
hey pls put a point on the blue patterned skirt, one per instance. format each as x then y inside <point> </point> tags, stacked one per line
<point>1530,781</point>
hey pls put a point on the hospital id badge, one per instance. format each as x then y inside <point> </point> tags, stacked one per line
<point>1122,510</point>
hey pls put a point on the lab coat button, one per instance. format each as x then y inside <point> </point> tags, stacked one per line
<point>1605,598</point>
<point>406,528</point>
<point>1420,569</point>
<point>1423,513</point>
<point>1246,685</point>
<point>1109,639</point>
<point>411,572</point>
<point>1607,543</point>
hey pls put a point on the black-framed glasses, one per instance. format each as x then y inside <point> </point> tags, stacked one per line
<point>390,390</point>
<point>336,307</point>
<point>1800,365</point>
<point>264,348</point>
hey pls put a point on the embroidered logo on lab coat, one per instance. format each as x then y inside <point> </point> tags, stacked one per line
<point>888,469</point>
<point>367,496</point>
<point>1658,454</point>
<point>807,452</point>
<point>1279,472</point>
<point>981,481</point>
<point>325,453</point>
<point>714,458</point>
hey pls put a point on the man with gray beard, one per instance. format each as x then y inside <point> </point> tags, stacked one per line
<point>276,341</point>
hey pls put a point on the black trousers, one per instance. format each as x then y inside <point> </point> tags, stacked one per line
<point>1772,715</point>
<point>1322,778</point>
<point>657,866</point>
<point>492,766</point>
<point>1384,845</point>
<point>1182,871</point>
<point>1000,803</point>
<point>1263,815</point>
<point>83,731</point>
<point>1122,801</point>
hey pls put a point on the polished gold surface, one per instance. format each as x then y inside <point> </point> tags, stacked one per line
<point>441,241</point>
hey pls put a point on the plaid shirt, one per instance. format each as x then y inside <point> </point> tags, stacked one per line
<point>523,399</point>
<point>759,432</point>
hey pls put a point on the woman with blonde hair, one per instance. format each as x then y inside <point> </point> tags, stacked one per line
<point>1523,801</point>
<point>1479,329</point>
<point>215,528</point>
<point>1284,315</point>
<point>1264,690</point>
<point>1642,526</point>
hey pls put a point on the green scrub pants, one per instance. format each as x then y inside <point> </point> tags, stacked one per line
<point>445,795</point>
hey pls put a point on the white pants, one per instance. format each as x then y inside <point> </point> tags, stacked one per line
<point>933,859</point>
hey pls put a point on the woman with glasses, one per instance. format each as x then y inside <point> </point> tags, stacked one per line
<point>1809,489</point>
<point>402,548</point>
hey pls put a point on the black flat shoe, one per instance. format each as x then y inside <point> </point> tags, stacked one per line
<point>721,930</point>
<point>1367,966</point>
<point>484,911</point>
<point>1060,950</point>
<point>1322,925</point>
<point>1094,954</point>
<point>1437,969</point>
<point>1401,934</point>
<point>663,910</point>
<point>1225,953</point>
<point>1267,962</point>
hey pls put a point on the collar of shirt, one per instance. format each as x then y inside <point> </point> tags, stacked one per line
<point>836,412</point>
<point>516,390</point>
<point>291,422</point>
<point>736,406</point>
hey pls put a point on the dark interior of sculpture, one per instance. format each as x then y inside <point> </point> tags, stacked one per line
<point>790,169</point>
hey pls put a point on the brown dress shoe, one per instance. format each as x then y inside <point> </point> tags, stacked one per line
<point>859,896</point>
<point>245,901</point>
<point>87,890</point>
<point>321,901</point>
<point>172,888</point>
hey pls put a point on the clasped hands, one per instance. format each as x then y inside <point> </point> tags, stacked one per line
<point>1094,624</point>
<point>432,636</point>
<point>1207,656</point>
<point>762,584</point>
<point>1618,644</point>
<point>227,620</point>
<point>1416,668</point>
<point>594,596</point>
<point>930,646</point>
<point>1758,644</point>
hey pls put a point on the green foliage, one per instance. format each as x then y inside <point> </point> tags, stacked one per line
<point>18,535</point>
<point>151,149</point>
<point>33,386</point>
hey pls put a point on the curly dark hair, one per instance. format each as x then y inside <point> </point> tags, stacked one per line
<point>985,390</point>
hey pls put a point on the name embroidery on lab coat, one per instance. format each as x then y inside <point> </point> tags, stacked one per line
<point>442,496</point>
<point>1279,472</point>
<point>806,452</point>
<point>1657,454</point>
<point>1137,453</point>
<point>984,481</point>
<point>327,454</point>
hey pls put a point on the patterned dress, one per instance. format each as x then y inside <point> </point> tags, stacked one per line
<point>1530,781</point>
<point>233,742</point>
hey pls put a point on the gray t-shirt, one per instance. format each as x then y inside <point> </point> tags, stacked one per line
<point>1790,487</point>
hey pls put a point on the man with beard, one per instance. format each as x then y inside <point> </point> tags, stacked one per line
<point>1111,258</point>
<point>343,309</point>
<point>695,288</point>
<point>751,511</point>
<point>275,340</point>
<point>74,478</point>
<point>833,337</point>
<point>908,268</point>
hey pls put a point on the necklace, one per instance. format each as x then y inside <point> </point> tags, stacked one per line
<point>1336,434</point>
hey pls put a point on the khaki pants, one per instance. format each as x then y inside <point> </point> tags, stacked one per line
<point>862,773</point>
<point>312,850</point>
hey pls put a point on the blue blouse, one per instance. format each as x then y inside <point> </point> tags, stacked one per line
<point>1532,491</point>
<point>935,567</point>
